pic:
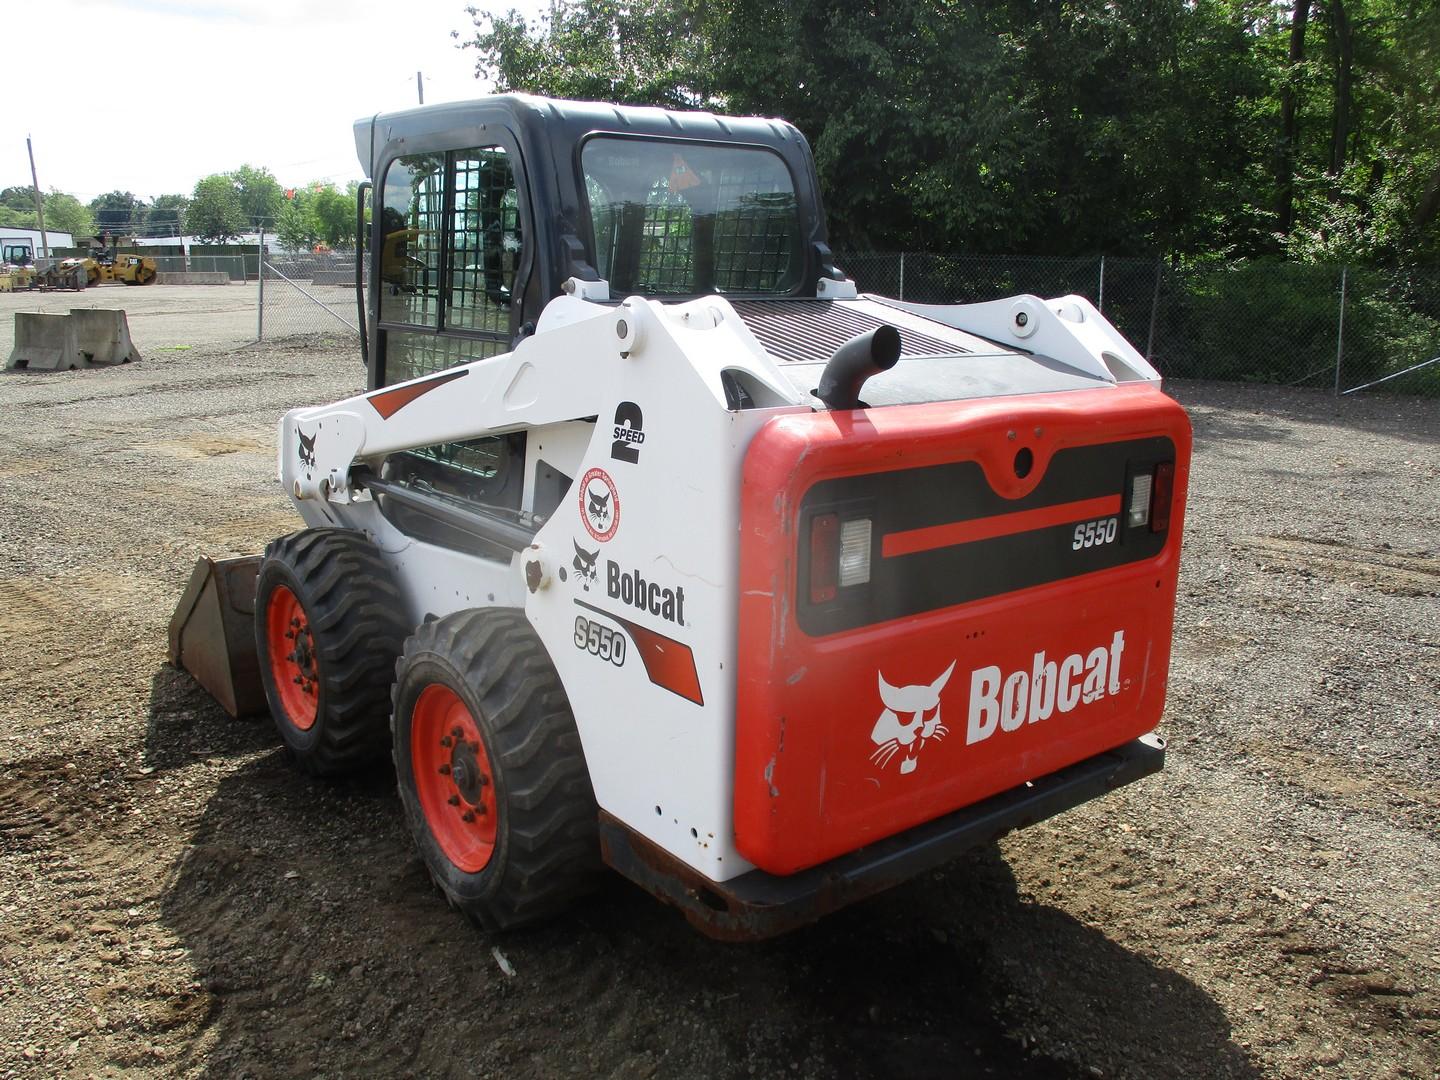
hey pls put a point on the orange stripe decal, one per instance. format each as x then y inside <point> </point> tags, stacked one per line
<point>988,528</point>
<point>669,663</point>
<point>388,402</point>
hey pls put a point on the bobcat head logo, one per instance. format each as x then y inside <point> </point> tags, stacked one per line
<point>307,448</point>
<point>910,720</point>
<point>598,507</point>
<point>584,564</point>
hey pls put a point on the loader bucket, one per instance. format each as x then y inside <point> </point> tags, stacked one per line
<point>212,633</point>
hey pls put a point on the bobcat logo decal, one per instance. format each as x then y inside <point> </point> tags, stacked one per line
<point>307,448</point>
<point>584,564</point>
<point>599,508</point>
<point>599,505</point>
<point>911,718</point>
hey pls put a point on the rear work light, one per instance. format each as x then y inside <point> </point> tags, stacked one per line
<point>839,555</point>
<point>1150,497</point>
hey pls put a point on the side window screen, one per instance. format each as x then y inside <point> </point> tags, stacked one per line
<point>678,218</point>
<point>413,217</point>
<point>485,241</point>
<point>452,244</point>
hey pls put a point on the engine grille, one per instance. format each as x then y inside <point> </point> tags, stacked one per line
<point>809,331</point>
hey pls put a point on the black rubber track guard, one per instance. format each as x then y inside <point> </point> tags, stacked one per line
<point>358,625</point>
<point>547,852</point>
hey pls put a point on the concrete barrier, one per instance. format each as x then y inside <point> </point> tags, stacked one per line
<point>86,337</point>
<point>192,277</point>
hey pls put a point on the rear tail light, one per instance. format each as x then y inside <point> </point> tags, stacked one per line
<point>1150,497</point>
<point>1160,496</point>
<point>824,557</point>
<point>839,555</point>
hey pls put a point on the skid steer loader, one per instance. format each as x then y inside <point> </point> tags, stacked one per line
<point>653,544</point>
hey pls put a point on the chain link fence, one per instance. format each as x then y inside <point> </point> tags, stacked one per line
<point>308,295</point>
<point>1338,328</point>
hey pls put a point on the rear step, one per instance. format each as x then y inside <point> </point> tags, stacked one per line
<point>759,905</point>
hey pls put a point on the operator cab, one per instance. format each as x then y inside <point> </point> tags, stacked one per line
<point>479,212</point>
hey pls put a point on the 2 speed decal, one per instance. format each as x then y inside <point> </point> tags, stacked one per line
<point>629,433</point>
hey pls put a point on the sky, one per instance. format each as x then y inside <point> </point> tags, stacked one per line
<point>148,96</point>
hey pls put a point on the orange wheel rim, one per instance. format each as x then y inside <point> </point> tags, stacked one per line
<point>293,664</point>
<point>453,778</point>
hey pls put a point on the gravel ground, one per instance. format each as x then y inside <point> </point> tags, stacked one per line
<point>175,900</point>
<point>161,317</point>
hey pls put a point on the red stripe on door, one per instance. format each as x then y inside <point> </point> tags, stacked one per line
<point>988,528</point>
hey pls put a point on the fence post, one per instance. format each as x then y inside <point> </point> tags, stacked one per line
<point>1154,306</point>
<point>1101,305</point>
<point>1340,331</point>
<point>260,273</point>
<point>902,277</point>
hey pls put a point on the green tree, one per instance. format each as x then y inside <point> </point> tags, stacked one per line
<point>1198,128</point>
<point>166,215</point>
<point>335,214</point>
<point>65,213</point>
<point>118,212</point>
<point>214,213</point>
<point>18,198</point>
<point>637,52</point>
<point>260,195</point>
<point>297,227</point>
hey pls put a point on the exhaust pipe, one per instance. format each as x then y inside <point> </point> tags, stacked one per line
<point>859,358</point>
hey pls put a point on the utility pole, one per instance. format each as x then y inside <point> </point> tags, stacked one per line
<point>420,88</point>
<point>39,202</point>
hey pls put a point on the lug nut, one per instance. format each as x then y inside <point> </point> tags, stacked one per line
<point>468,816</point>
<point>454,800</point>
<point>444,770</point>
<point>445,741</point>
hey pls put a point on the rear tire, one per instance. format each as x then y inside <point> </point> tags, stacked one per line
<point>503,812</point>
<point>329,624</point>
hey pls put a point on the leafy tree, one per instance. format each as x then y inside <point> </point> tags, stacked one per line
<point>335,214</point>
<point>166,215</point>
<point>260,194</point>
<point>297,228</point>
<point>1193,127</point>
<point>16,219</point>
<point>65,213</point>
<point>214,213</point>
<point>18,198</point>
<point>118,212</point>
<point>637,52</point>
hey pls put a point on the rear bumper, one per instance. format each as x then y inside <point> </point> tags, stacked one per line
<point>759,905</point>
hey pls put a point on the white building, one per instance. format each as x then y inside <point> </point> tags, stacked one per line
<point>56,239</point>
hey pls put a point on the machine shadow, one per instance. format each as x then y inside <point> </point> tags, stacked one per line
<point>312,928</point>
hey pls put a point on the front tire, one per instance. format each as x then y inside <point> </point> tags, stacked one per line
<point>329,623</point>
<point>490,769</point>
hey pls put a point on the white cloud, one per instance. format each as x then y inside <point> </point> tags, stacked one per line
<point>150,95</point>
